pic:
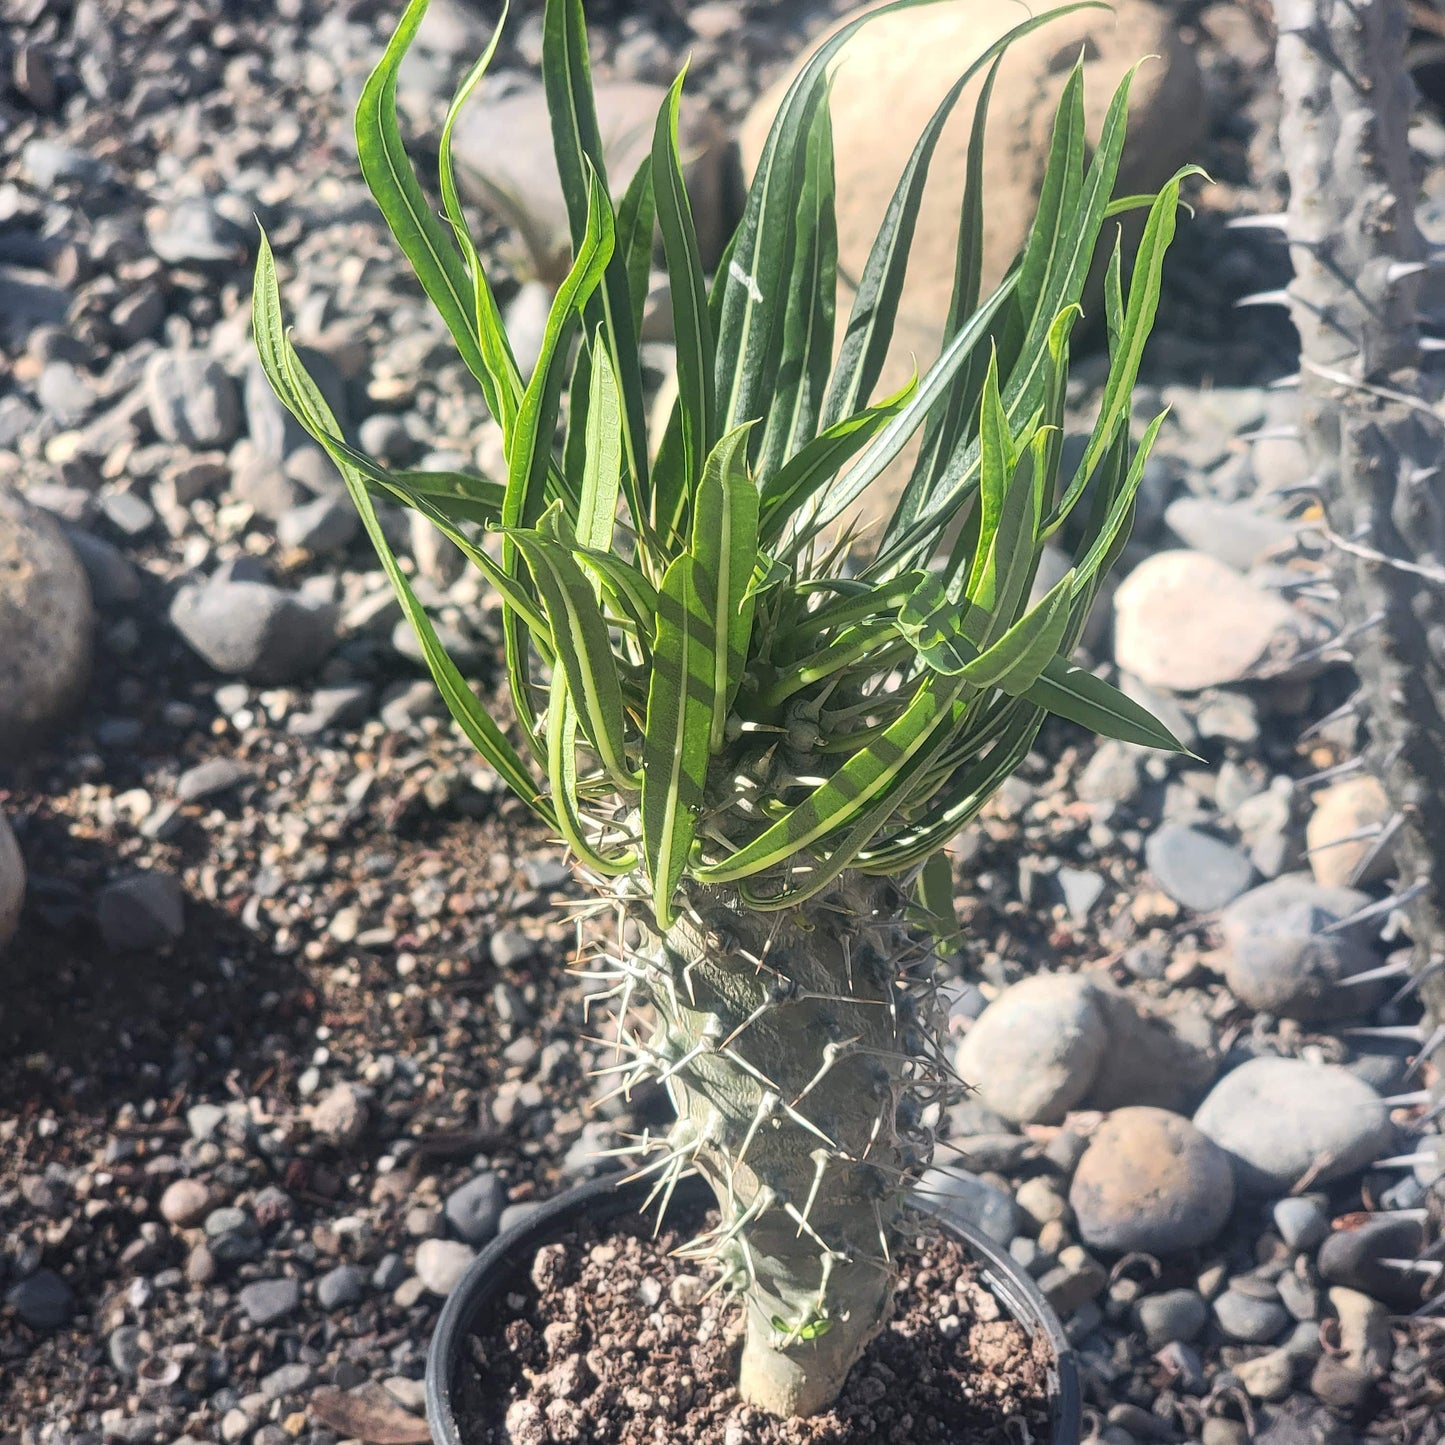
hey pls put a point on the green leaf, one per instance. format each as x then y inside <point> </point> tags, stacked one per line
<point>530,457</point>
<point>504,393</point>
<point>636,217</point>
<point>584,649</point>
<point>725,551</point>
<point>936,898</point>
<point>886,446</point>
<point>1075,693</point>
<point>426,241</point>
<point>869,336</point>
<point>562,770</point>
<point>633,593</point>
<point>1138,321</point>
<point>303,398</point>
<point>804,343</point>
<point>602,460</point>
<point>577,142</point>
<point>695,383</point>
<point>1015,661</point>
<point>675,743</point>
<point>745,295</point>
<point>459,496</point>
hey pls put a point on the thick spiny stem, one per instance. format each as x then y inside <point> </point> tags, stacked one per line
<point>792,1044</point>
<point>1371,413</point>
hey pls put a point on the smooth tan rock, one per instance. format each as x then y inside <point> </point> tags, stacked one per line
<point>1339,813</point>
<point>1151,1181</point>
<point>894,72</point>
<point>46,624</point>
<point>1184,621</point>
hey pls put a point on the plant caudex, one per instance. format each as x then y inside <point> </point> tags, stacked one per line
<point>754,743</point>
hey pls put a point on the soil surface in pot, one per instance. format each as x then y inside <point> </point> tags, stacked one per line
<point>607,1341</point>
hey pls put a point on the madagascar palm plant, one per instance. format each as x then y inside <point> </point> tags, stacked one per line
<point>755,743</point>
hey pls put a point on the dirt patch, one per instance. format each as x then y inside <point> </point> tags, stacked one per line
<point>606,1342</point>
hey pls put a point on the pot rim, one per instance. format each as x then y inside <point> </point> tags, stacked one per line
<point>607,1197</point>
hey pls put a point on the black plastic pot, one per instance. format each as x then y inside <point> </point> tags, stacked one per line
<point>605,1199</point>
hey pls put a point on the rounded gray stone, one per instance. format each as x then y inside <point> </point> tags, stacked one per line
<point>254,630</point>
<point>1033,1053</point>
<point>476,1207</point>
<point>47,622</point>
<point>1302,1222</point>
<point>1282,1119</point>
<point>268,1301</point>
<point>1280,957</point>
<point>1247,1319</point>
<point>1173,1314</point>
<point>1196,869</point>
<point>341,1287</point>
<point>1150,1181</point>
<point>43,1300</point>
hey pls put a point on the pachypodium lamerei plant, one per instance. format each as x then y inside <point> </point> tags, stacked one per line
<point>755,744</point>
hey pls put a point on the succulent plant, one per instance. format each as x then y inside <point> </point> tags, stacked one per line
<point>756,741</point>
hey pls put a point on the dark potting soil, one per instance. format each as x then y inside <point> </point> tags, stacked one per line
<point>607,1342</point>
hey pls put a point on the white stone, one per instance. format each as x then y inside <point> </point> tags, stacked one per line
<point>1184,621</point>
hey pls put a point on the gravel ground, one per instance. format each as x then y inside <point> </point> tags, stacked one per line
<point>286,1029</point>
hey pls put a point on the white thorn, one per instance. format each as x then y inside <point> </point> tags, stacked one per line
<point>1264,298</point>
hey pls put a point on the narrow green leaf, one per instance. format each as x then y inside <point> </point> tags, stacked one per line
<point>804,342</point>
<point>562,770</point>
<point>1075,693</point>
<point>1014,662</point>
<point>422,236</point>
<point>300,394</point>
<point>788,490</point>
<point>584,649</point>
<point>693,329</point>
<point>577,142</point>
<point>675,744</point>
<point>634,594</point>
<point>1138,321</point>
<point>602,462</point>
<point>504,393</point>
<point>530,457</point>
<point>885,447</point>
<point>636,218</point>
<point>869,335</point>
<point>725,551</point>
<point>936,897</point>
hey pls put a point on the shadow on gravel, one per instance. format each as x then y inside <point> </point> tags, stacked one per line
<point>85,1024</point>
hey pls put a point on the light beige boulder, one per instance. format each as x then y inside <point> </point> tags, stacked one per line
<point>1184,621</point>
<point>503,154</point>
